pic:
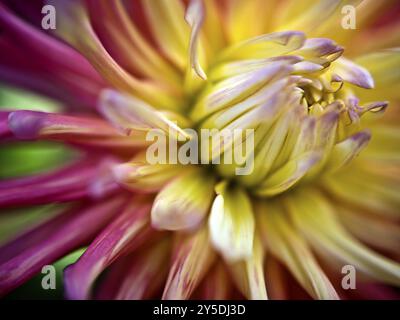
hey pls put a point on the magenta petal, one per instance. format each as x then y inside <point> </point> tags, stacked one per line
<point>71,183</point>
<point>54,52</point>
<point>29,125</point>
<point>4,129</point>
<point>81,131</point>
<point>126,233</point>
<point>52,68</point>
<point>77,230</point>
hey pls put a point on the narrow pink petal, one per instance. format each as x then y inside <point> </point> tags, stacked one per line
<point>29,125</point>
<point>64,185</point>
<point>193,256</point>
<point>76,231</point>
<point>124,234</point>
<point>56,53</point>
<point>147,273</point>
<point>53,68</point>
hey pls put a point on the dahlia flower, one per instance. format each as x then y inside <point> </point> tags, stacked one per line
<point>324,189</point>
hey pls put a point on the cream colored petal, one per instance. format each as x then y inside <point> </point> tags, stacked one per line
<point>232,90</point>
<point>139,175</point>
<point>353,73</point>
<point>289,174</point>
<point>128,112</point>
<point>184,202</point>
<point>195,17</point>
<point>231,223</point>
<point>345,151</point>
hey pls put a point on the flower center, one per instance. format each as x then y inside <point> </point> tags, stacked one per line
<point>301,106</point>
<point>277,110</point>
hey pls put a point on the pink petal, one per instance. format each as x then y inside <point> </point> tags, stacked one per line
<point>126,233</point>
<point>67,184</point>
<point>4,129</point>
<point>62,236</point>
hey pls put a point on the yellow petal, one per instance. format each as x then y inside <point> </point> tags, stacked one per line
<point>291,249</point>
<point>184,202</point>
<point>315,218</point>
<point>249,274</point>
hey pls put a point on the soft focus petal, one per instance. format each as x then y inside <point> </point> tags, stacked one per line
<point>65,236</point>
<point>293,251</point>
<point>184,202</point>
<point>125,233</point>
<point>193,256</point>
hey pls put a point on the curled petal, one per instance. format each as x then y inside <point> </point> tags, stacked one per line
<point>266,45</point>
<point>234,68</point>
<point>321,51</point>
<point>350,72</point>
<point>173,34</point>
<point>84,38</point>
<point>383,66</point>
<point>195,17</point>
<point>347,150</point>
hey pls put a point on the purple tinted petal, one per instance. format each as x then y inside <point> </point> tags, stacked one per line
<point>64,236</point>
<point>350,72</point>
<point>126,233</point>
<point>59,173</point>
<point>75,182</point>
<point>33,124</point>
<point>79,131</point>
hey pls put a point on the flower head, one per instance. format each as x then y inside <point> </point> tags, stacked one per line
<point>324,157</point>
